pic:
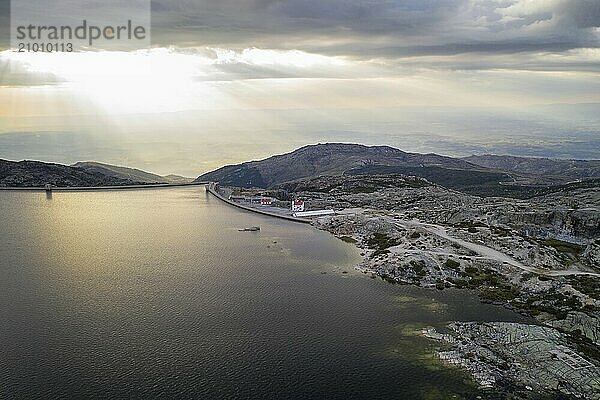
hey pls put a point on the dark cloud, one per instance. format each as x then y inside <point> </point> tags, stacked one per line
<point>583,13</point>
<point>382,28</point>
<point>284,19</point>
<point>4,23</point>
<point>378,29</point>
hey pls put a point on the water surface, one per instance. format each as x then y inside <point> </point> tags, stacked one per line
<point>155,294</point>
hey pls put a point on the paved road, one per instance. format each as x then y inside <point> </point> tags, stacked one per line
<point>213,190</point>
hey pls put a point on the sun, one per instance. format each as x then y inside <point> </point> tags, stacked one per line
<point>160,80</point>
<point>157,80</point>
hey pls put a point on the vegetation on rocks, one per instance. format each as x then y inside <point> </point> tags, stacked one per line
<point>381,242</point>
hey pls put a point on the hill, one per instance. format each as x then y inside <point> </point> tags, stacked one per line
<point>37,174</point>
<point>504,176</point>
<point>85,174</point>
<point>324,159</point>
<point>132,174</point>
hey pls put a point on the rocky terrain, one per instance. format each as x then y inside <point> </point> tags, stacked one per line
<point>352,184</point>
<point>522,357</point>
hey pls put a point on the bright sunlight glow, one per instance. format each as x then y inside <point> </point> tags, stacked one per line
<point>156,80</point>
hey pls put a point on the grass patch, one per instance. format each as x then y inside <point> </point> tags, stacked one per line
<point>347,239</point>
<point>503,293</point>
<point>415,235</point>
<point>381,242</point>
<point>564,247</point>
<point>418,267</point>
<point>554,303</point>
<point>588,285</point>
<point>497,230</point>
<point>452,264</point>
<point>470,224</point>
<point>363,189</point>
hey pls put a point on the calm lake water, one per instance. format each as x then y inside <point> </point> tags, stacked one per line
<point>155,294</point>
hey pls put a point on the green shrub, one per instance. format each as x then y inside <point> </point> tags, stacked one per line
<point>452,264</point>
<point>415,235</point>
<point>347,239</point>
<point>564,247</point>
<point>418,267</point>
<point>471,270</point>
<point>380,242</point>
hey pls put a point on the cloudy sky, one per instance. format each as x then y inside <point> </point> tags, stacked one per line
<point>227,81</point>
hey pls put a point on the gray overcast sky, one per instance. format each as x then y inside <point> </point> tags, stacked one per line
<point>391,30</point>
<point>382,29</point>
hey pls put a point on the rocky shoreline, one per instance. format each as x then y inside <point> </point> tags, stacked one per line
<point>410,254</point>
<point>539,257</point>
<point>435,238</point>
<point>534,358</point>
<point>415,253</point>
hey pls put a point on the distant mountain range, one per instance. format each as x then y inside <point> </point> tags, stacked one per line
<point>481,175</point>
<point>487,175</point>
<point>567,169</point>
<point>38,174</point>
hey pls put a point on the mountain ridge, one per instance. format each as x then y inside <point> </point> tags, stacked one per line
<point>29,173</point>
<point>508,176</point>
<point>324,159</point>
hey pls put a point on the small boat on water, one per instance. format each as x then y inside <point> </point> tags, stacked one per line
<point>250,229</point>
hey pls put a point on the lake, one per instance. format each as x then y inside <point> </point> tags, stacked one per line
<point>156,294</point>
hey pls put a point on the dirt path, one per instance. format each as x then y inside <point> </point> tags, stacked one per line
<point>486,251</point>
